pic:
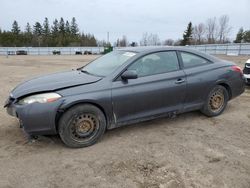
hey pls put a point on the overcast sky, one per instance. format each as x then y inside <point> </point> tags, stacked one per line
<point>167,18</point>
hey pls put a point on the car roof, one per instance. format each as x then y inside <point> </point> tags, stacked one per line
<point>150,49</point>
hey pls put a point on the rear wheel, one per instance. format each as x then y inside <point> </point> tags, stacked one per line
<point>216,101</point>
<point>82,125</point>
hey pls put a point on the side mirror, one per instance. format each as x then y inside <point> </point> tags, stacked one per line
<point>129,74</point>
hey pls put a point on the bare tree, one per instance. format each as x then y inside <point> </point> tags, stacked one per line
<point>144,40</point>
<point>169,42</point>
<point>122,42</point>
<point>154,40</point>
<point>211,29</point>
<point>199,31</point>
<point>150,40</point>
<point>224,28</point>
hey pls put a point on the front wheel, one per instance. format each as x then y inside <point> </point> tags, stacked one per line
<point>82,126</point>
<point>216,101</point>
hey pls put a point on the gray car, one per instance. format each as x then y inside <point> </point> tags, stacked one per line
<point>123,87</point>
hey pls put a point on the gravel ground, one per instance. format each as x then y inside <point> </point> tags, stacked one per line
<point>190,150</point>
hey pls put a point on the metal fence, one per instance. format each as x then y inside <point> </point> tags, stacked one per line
<point>50,50</point>
<point>226,49</point>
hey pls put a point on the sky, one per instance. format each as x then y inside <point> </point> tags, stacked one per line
<point>167,18</point>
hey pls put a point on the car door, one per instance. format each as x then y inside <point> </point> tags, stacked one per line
<point>160,88</point>
<point>199,78</point>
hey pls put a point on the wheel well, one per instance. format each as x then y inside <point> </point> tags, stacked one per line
<point>228,89</point>
<point>60,113</point>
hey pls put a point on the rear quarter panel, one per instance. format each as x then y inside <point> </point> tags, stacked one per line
<point>201,80</point>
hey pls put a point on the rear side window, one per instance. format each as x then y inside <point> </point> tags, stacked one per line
<point>191,60</point>
<point>156,63</point>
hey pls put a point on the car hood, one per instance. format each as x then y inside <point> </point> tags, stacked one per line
<point>54,82</point>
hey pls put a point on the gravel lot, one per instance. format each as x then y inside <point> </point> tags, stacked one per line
<point>190,150</point>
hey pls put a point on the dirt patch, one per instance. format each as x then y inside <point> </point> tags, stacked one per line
<point>190,150</point>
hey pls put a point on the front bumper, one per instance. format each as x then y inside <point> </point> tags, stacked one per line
<point>247,78</point>
<point>36,118</point>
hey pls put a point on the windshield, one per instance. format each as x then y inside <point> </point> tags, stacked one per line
<point>108,63</point>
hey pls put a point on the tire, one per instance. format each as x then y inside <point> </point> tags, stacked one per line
<point>216,101</point>
<point>82,126</point>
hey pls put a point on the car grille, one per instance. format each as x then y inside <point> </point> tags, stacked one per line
<point>246,70</point>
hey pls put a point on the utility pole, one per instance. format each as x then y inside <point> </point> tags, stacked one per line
<point>108,37</point>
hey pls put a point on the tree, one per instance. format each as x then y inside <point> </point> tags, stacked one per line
<point>37,29</point>
<point>27,35</point>
<point>122,42</point>
<point>67,28</point>
<point>246,36</point>
<point>211,28</point>
<point>74,27</point>
<point>59,34</point>
<point>55,28</point>
<point>199,32</point>
<point>46,27</point>
<point>169,42</point>
<point>144,40</point>
<point>223,28</point>
<point>28,28</point>
<point>62,26</point>
<point>15,28</point>
<point>154,40</point>
<point>239,36</point>
<point>150,40</point>
<point>187,36</point>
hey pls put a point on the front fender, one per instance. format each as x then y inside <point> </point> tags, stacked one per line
<point>103,103</point>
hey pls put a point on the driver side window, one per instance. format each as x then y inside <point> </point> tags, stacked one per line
<point>156,63</point>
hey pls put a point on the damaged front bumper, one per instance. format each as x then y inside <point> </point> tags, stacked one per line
<point>35,118</point>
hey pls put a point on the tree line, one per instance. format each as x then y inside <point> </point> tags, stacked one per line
<point>212,31</point>
<point>64,33</point>
<point>61,33</point>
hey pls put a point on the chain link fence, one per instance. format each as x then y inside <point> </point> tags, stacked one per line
<point>50,50</point>
<point>225,49</point>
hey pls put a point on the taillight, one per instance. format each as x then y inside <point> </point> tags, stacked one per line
<point>237,69</point>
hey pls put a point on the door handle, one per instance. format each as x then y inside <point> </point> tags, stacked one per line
<point>179,81</point>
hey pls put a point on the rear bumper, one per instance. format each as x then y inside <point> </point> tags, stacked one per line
<point>36,118</point>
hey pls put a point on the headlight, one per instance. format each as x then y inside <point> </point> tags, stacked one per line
<point>40,98</point>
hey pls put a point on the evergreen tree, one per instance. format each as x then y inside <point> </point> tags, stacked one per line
<point>187,36</point>
<point>28,28</point>
<point>74,27</point>
<point>46,32</point>
<point>37,29</point>
<point>59,34</point>
<point>62,26</point>
<point>239,36</point>
<point>15,28</point>
<point>46,28</point>
<point>28,35</point>
<point>67,28</point>
<point>55,27</point>
<point>246,36</point>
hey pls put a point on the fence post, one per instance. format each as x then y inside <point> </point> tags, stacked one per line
<point>239,53</point>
